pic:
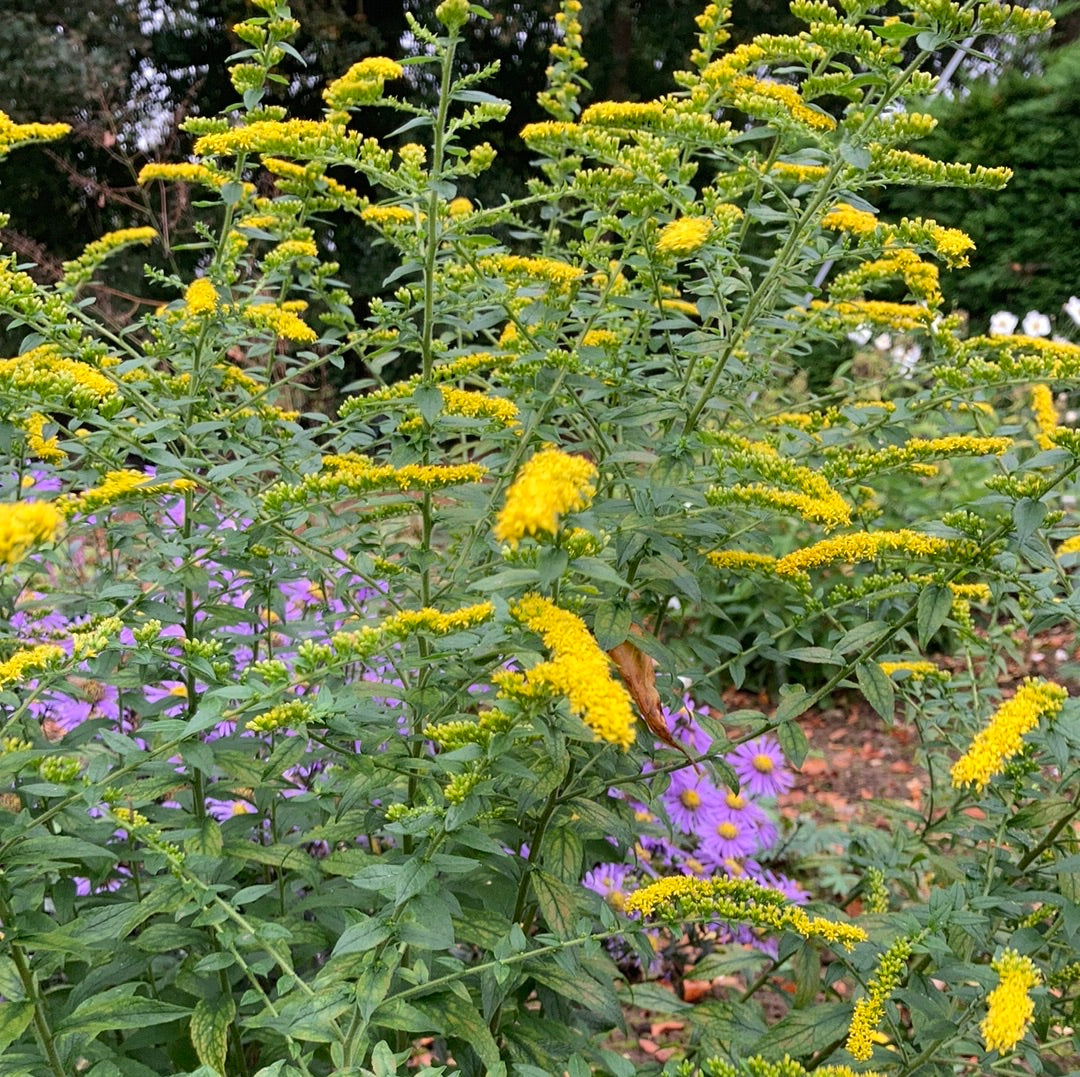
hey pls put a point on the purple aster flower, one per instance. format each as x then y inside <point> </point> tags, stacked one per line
<point>692,801</point>
<point>610,882</point>
<point>227,809</point>
<point>729,839</point>
<point>761,769</point>
<point>737,809</point>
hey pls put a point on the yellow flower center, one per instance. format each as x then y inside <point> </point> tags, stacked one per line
<point>690,799</point>
<point>728,831</point>
<point>763,763</point>
<point>735,801</point>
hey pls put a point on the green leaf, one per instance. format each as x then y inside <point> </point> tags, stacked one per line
<point>933,607</point>
<point>878,689</point>
<point>207,840</point>
<point>794,700</point>
<point>428,401</point>
<point>1027,516</point>
<point>802,1032</point>
<point>119,1008</point>
<point>611,624</point>
<point>425,922</point>
<point>580,989</point>
<point>560,904</point>
<point>14,1018</point>
<point>209,1030</point>
<point>361,937</point>
<point>562,853</point>
<point>793,741</point>
<point>461,1020</point>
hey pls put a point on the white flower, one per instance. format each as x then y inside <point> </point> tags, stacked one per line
<point>883,342</point>
<point>1003,323</point>
<point>906,358</point>
<point>1036,324</point>
<point>1072,308</point>
<point>861,335</point>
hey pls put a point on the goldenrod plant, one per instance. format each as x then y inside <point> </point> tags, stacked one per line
<point>319,740</point>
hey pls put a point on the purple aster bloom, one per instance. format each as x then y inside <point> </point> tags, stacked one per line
<point>686,729</point>
<point>610,882</point>
<point>227,809</point>
<point>692,801</point>
<point>729,839</point>
<point>737,809</point>
<point>761,769</point>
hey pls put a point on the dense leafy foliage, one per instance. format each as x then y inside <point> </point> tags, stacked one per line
<point>316,719</point>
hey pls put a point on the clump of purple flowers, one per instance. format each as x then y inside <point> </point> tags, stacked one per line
<point>706,829</point>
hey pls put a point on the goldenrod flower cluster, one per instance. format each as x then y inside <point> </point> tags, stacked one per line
<point>917,671</point>
<point>26,662</point>
<point>1009,1008</point>
<point>867,545</point>
<point>1002,738</point>
<point>117,485</point>
<point>843,463</point>
<point>81,269</point>
<point>870,1009</point>
<point>283,319</point>
<point>200,298</point>
<point>791,172</point>
<point>357,474</point>
<point>473,405</point>
<point>921,278</point>
<point>47,375</point>
<point>904,166</point>
<point>183,172</point>
<point>1011,357</point>
<point>362,84</point>
<point>950,243</point>
<point>549,485</point>
<point>684,897</point>
<point>452,735</point>
<point>903,317</point>
<point>577,669</point>
<point>758,1066</point>
<point>37,444</point>
<point>14,134</point>
<point>1042,404</point>
<point>135,823</point>
<point>559,99</point>
<point>530,270</point>
<point>741,559</point>
<point>282,138</point>
<point>777,101</point>
<point>683,236</point>
<point>293,714</point>
<point>1070,545</point>
<point>25,524</point>
<point>399,626</point>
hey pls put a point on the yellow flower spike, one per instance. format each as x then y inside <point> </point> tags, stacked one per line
<point>1002,737</point>
<point>865,546</point>
<point>578,669</point>
<point>26,524</point>
<point>14,134</point>
<point>31,660</point>
<point>1046,421</point>
<point>200,298</point>
<point>919,671</point>
<point>684,897</point>
<point>546,487</point>
<point>1009,1008</point>
<point>870,1009</point>
<point>117,485</point>
<point>683,236</point>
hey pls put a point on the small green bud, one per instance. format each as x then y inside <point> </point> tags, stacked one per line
<point>453,14</point>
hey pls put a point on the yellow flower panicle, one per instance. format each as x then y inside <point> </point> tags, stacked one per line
<point>46,374</point>
<point>357,474</point>
<point>741,559</point>
<point>918,671</point>
<point>1070,545</point>
<point>293,714</point>
<point>870,1009</point>
<point>118,485</point>
<point>684,897</point>
<point>865,546</point>
<point>200,298</point>
<point>683,236</point>
<point>1046,421</point>
<point>363,642</point>
<point>1009,1008</point>
<point>1002,738</point>
<point>25,524</point>
<point>29,661</point>
<point>47,449</point>
<point>578,669</point>
<point>362,84</point>
<point>14,134</point>
<point>473,405</point>
<point>283,319</point>
<point>547,487</point>
<point>81,269</point>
